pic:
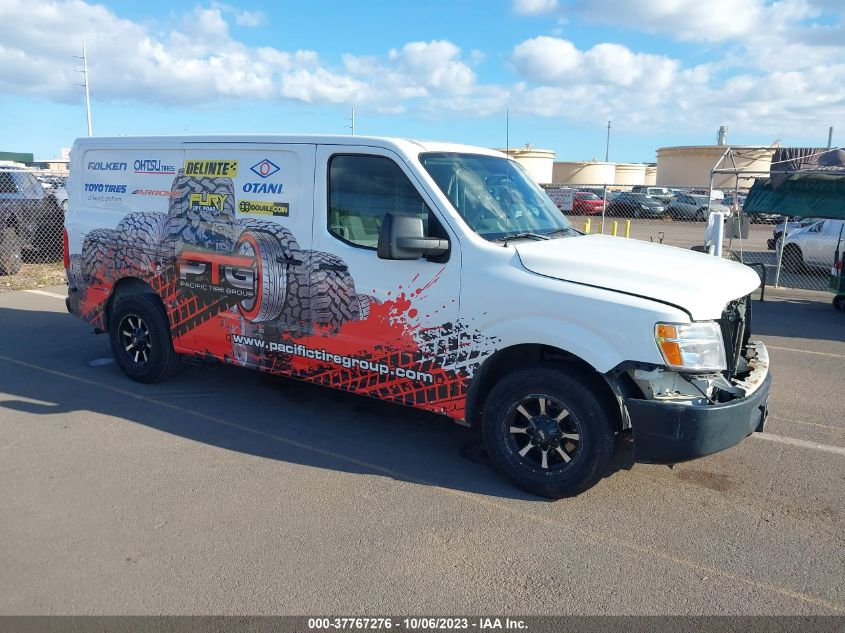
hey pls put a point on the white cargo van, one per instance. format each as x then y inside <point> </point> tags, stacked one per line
<point>435,275</point>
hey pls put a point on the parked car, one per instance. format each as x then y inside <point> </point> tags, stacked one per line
<point>30,218</point>
<point>635,205</point>
<point>586,203</point>
<point>416,273</point>
<point>791,225</point>
<point>693,207</point>
<point>56,187</point>
<point>814,245</point>
<point>663,194</point>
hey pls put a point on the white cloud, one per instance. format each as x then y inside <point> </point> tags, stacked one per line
<point>777,67</point>
<point>551,60</point>
<point>783,73</point>
<point>535,7</point>
<point>199,62</point>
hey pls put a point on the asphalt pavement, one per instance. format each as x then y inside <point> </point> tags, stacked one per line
<point>223,491</point>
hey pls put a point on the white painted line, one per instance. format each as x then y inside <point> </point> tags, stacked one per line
<point>45,293</point>
<point>827,448</point>
<point>805,351</point>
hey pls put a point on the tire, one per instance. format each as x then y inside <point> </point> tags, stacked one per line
<point>64,205</point>
<point>296,300</point>
<point>213,229</point>
<point>364,302</point>
<point>793,258</point>
<point>839,302</point>
<point>10,252</point>
<point>97,264</point>
<point>272,279</point>
<point>585,434</point>
<point>74,272</point>
<point>139,321</point>
<point>332,290</point>
<point>138,238</point>
<point>699,215</point>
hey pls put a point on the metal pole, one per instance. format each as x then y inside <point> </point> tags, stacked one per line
<point>603,209</point>
<point>607,145</point>
<point>780,249</point>
<point>87,94</point>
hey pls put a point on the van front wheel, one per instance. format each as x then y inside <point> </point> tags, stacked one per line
<point>546,430</point>
<point>140,338</point>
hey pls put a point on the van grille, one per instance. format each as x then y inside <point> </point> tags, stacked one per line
<point>735,324</point>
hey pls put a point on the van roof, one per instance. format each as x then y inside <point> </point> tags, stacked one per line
<point>400,145</point>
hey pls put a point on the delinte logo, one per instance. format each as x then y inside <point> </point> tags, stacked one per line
<point>263,187</point>
<point>265,168</point>
<point>153,166</point>
<point>212,202</point>
<point>212,168</point>
<point>103,188</point>
<point>100,166</point>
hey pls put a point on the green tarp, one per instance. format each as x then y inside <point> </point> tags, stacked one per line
<point>804,182</point>
<point>821,196</point>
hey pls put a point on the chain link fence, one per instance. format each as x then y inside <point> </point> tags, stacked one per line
<point>33,204</point>
<point>32,208</point>
<point>678,216</point>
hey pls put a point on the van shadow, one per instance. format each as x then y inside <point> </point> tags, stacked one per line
<point>814,319</point>
<point>43,358</point>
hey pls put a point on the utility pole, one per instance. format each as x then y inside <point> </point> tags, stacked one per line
<point>352,121</point>
<point>607,145</point>
<point>84,72</point>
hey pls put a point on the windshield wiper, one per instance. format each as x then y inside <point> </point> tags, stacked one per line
<point>515,236</point>
<point>570,230</point>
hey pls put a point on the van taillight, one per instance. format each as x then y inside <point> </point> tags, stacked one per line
<point>64,249</point>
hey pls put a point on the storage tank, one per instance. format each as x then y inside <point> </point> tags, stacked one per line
<point>650,175</point>
<point>630,174</point>
<point>537,162</point>
<point>690,165</point>
<point>584,173</point>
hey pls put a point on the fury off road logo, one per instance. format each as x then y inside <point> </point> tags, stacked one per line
<point>209,202</point>
<point>217,274</point>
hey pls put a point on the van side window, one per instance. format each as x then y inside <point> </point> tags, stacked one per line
<point>361,190</point>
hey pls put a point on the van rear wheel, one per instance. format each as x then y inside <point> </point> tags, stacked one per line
<point>548,432</point>
<point>140,338</point>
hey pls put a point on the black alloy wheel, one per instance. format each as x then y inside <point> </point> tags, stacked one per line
<point>140,337</point>
<point>550,429</point>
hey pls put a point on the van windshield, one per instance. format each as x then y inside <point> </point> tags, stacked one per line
<point>495,196</point>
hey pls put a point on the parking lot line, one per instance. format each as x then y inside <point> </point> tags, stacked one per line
<point>45,293</point>
<point>805,351</point>
<point>783,439</point>
<point>827,427</point>
<point>479,500</point>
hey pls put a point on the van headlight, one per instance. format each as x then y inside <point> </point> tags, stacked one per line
<point>691,346</point>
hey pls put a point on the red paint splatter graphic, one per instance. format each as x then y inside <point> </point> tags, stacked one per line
<point>330,336</point>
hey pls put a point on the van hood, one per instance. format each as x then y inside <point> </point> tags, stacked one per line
<point>700,284</point>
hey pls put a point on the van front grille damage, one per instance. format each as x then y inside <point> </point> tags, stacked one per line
<point>735,324</point>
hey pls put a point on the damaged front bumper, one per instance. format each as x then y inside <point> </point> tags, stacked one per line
<point>667,432</point>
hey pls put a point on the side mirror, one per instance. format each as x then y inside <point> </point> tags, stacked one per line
<point>402,237</point>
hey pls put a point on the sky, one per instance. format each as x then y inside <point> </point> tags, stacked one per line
<point>666,72</point>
